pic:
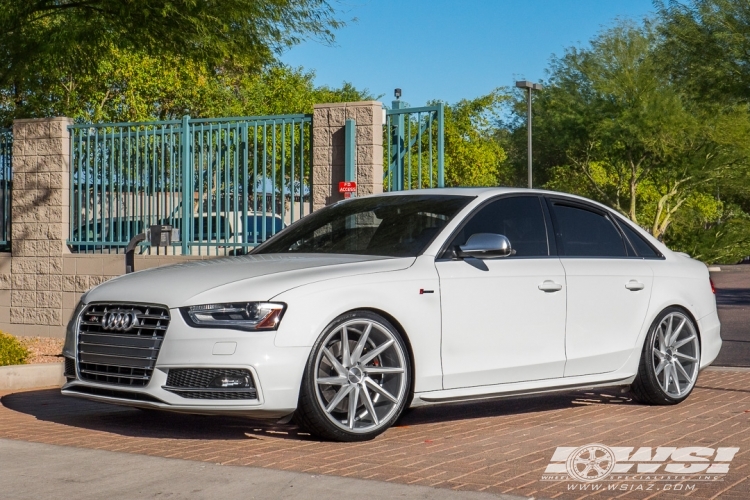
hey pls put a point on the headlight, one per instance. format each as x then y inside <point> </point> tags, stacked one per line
<point>248,316</point>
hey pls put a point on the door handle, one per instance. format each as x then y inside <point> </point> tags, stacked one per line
<point>634,285</point>
<point>550,286</point>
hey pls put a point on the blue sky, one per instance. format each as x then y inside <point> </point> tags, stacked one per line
<point>450,50</point>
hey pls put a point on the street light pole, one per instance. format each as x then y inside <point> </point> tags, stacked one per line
<point>529,86</point>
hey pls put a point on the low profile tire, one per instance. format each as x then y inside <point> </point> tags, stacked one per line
<point>670,361</point>
<point>357,380</point>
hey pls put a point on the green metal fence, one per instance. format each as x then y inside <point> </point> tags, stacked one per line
<point>414,147</point>
<point>227,184</point>
<point>6,184</point>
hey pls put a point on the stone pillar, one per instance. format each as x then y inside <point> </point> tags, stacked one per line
<point>40,213</point>
<point>329,154</point>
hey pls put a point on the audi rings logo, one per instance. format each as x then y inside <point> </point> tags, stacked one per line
<point>120,321</point>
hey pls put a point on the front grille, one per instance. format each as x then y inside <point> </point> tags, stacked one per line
<point>193,383</point>
<point>118,352</point>
<point>70,368</point>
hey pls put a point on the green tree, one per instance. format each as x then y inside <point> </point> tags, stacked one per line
<point>129,86</point>
<point>706,47</point>
<point>472,155</point>
<point>609,125</point>
<point>45,43</point>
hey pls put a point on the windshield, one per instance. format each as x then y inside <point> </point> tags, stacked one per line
<point>394,226</point>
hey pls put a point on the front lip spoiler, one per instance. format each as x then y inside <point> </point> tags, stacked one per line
<point>150,402</point>
<point>110,394</point>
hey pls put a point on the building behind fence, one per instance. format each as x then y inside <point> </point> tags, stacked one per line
<point>72,195</point>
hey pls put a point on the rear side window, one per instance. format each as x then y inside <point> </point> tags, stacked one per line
<point>519,218</point>
<point>583,233</point>
<point>641,247</point>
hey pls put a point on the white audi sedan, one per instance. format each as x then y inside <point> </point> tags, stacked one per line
<point>376,304</point>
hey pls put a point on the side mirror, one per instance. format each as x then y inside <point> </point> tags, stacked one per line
<point>486,246</point>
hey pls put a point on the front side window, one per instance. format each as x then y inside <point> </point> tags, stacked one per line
<point>584,233</point>
<point>518,218</point>
<point>393,226</point>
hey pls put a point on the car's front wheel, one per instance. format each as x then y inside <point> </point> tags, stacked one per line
<point>356,382</point>
<point>670,360</point>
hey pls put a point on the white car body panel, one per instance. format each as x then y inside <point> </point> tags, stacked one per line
<point>498,326</point>
<point>564,346</point>
<point>600,338</point>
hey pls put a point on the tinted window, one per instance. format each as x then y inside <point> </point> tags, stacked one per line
<point>582,233</point>
<point>520,219</point>
<point>643,248</point>
<point>396,226</point>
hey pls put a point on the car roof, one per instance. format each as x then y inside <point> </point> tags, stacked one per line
<point>488,192</point>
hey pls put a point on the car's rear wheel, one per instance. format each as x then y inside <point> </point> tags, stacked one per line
<point>670,361</point>
<point>357,379</point>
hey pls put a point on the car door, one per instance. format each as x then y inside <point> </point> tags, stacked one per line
<point>503,320</point>
<point>609,288</point>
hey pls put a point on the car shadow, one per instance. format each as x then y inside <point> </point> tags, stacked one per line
<point>50,406</point>
<point>517,405</point>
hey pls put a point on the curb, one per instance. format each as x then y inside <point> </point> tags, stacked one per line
<point>31,376</point>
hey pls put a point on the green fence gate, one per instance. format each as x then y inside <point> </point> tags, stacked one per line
<point>227,184</point>
<point>414,147</point>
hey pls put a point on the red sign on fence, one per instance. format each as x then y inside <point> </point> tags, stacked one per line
<point>347,187</point>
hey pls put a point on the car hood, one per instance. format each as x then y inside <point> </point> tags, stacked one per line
<point>246,277</point>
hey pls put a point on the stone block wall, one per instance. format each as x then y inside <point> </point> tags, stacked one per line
<point>39,224</point>
<point>329,149</point>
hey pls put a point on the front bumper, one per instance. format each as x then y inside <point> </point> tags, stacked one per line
<point>277,372</point>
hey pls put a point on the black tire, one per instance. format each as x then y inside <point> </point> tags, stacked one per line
<point>313,417</point>
<point>646,387</point>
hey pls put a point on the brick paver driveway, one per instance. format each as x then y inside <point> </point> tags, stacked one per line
<point>500,446</point>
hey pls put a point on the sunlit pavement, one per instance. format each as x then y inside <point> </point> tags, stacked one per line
<point>497,447</point>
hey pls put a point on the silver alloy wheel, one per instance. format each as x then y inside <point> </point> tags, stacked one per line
<point>676,354</point>
<point>360,375</point>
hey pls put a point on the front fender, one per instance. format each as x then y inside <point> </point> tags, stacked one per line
<point>310,308</point>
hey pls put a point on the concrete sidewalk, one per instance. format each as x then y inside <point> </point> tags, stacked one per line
<point>34,470</point>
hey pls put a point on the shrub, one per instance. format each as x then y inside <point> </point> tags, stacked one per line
<point>12,352</point>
